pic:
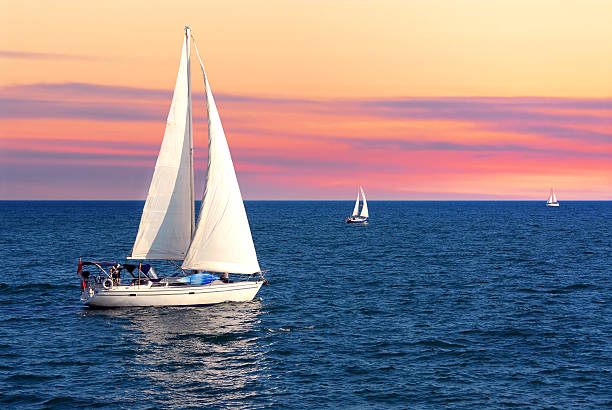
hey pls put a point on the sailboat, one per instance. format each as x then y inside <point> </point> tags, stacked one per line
<point>552,199</point>
<point>357,217</point>
<point>217,246</point>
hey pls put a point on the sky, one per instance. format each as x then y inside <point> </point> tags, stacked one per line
<point>413,99</point>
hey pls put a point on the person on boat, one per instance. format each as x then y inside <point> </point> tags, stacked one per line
<point>84,279</point>
<point>225,277</point>
<point>115,275</point>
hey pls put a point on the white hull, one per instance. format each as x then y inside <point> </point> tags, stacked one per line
<point>147,295</point>
<point>357,220</point>
<point>553,204</point>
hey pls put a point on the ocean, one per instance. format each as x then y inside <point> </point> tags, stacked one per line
<point>432,304</point>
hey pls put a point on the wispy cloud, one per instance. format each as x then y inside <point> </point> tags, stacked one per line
<point>454,143</point>
<point>99,111</point>
<point>27,55</point>
<point>402,145</point>
<point>574,132</point>
<point>83,91</point>
<point>452,103</point>
<point>477,109</point>
<point>89,91</point>
<point>588,120</point>
<point>493,110</point>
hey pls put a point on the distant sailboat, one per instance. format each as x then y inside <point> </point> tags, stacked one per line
<point>552,199</point>
<point>218,245</point>
<point>356,217</point>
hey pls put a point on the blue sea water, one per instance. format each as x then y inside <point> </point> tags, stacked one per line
<point>432,304</point>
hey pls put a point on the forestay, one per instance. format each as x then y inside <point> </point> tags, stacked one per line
<point>222,241</point>
<point>166,223</point>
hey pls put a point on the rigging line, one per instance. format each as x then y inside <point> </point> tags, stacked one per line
<point>209,133</point>
<point>198,54</point>
<point>199,58</point>
<point>176,265</point>
<point>205,102</point>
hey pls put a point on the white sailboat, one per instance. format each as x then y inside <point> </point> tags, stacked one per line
<point>357,217</point>
<point>552,199</point>
<point>219,244</point>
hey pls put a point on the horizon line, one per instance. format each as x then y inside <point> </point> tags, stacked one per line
<point>316,200</point>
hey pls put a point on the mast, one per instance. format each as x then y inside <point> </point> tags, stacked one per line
<point>190,125</point>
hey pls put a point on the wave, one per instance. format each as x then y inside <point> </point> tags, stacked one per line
<point>29,377</point>
<point>438,343</point>
<point>561,290</point>
<point>218,339</point>
<point>38,287</point>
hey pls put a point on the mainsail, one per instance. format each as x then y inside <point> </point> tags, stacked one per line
<point>166,224</point>
<point>364,208</point>
<point>222,241</point>
<point>356,209</point>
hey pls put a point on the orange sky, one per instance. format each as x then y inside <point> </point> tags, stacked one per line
<point>471,99</point>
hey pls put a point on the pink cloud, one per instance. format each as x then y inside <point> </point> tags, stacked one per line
<point>306,148</point>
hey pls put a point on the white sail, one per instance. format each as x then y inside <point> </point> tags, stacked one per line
<point>551,197</point>
<point>554,197</point>
<point>356,209</point>
<point>166,223</point>
<point>364,208</point>
<point>222,241</point>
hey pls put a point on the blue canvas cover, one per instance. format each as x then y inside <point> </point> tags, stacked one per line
<point>199,278</point>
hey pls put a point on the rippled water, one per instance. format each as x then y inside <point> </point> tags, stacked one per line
<point>461,304</point>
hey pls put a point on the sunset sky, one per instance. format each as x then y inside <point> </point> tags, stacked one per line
<point>413,99</point>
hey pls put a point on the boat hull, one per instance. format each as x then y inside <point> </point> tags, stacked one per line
<point>357,221</point>
<point>124,296</point>
<point>552,204</point>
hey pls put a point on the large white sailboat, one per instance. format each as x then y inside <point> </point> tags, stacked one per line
<point>217,246</point>
<point>357,217</point>
<point>552,199</point>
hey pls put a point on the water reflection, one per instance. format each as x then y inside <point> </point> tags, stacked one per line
<point>193,356</point>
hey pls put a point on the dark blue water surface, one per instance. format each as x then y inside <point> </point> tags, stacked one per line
<point>459,304</point>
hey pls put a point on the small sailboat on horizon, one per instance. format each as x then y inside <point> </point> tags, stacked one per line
<point>220,244</point>
<point>552,199</point>
<point>357,217</point>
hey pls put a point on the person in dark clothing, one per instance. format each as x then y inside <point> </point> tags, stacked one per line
<point>115,275</point>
